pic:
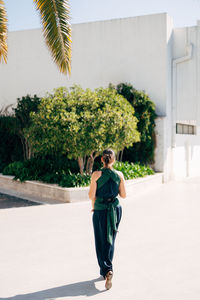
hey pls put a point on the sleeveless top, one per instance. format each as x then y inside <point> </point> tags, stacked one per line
<point>108,187</point>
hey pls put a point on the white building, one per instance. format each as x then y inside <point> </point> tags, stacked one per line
<point>146,51</point>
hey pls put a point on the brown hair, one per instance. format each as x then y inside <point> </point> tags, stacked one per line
<point>108,156</point>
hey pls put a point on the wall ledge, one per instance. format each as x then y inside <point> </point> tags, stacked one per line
<point>52,193</point>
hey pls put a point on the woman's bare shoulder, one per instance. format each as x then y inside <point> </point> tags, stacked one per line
<point>96,175</point>
<point>121,175</point>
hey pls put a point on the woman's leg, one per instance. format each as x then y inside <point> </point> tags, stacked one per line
<point>104,250</point>
<point>100,226</point>
<point>110,249</point>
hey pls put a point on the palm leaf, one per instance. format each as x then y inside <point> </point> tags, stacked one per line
<point>3,32</point>
<point>57,30</point>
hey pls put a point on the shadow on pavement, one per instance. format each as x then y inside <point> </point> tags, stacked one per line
<point>8,201</point>
<point>82,288</point>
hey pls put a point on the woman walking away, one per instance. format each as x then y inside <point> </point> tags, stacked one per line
<point>105,186</point>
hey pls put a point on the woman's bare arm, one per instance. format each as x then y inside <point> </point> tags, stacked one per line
<point>93,188</point>
<point>122,189</point>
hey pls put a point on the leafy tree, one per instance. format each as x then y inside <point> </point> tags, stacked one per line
<point>143,150</point>
<point>22,114</point>
<point>56,29</point>
<point>82,123</point>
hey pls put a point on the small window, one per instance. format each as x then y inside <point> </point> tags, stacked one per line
<point>179,128</point>
<point>191,129</point>
<point>185,128</point>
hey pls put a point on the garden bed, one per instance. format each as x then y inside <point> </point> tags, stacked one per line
<point>52,193</point>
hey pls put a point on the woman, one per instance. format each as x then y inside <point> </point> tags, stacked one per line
<point>105,185</point>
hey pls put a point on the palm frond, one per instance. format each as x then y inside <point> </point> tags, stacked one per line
<point>3,32</point>
<point>57,30</point>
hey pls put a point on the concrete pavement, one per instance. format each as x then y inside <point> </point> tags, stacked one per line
<point>47,251</point>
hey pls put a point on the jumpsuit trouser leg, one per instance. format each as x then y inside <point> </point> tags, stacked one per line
<point>104,250</point>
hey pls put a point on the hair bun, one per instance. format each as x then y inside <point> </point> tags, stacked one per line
<point>108,156</point>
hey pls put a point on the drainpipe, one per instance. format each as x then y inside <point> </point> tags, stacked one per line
<point>174,89</point>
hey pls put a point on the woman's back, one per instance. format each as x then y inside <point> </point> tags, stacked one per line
<point>108,184</point>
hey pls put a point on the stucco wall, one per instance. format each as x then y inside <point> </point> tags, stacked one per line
<point>120,50</point>
<point>187,73</point>
<point>160,146</point>
<point>186,153</point>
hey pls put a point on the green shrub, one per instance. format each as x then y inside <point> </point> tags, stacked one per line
<point>132,170</point>
<point>14,146</point>
<point>17,169</point>
<point>75,180</point>
<point>143,150</point>
<point>44,168</point>
<point>10,145</point>
<point>48,171</point>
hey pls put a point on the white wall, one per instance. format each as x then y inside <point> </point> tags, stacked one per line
<point>187,73</point>
<point>186,154</point>
<point>120,50</point>
<point>167,164</point>
<point>29,69</point>
<point>131,49</point>
<point>160,147</point>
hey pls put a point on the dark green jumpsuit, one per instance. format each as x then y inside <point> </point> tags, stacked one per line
<point>106,218</point>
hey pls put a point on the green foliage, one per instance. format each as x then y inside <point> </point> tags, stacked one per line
<point>10,146</point>
<point>81,122</point>
<point>45,168</point>
<point>56,170</point>
<point>64,172</point>
<point>131,170</point>
<point>17,169</point>
<point>25,105</point>
<point>75,180</point>
<point>15,146</point>
<point>142,151</point>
